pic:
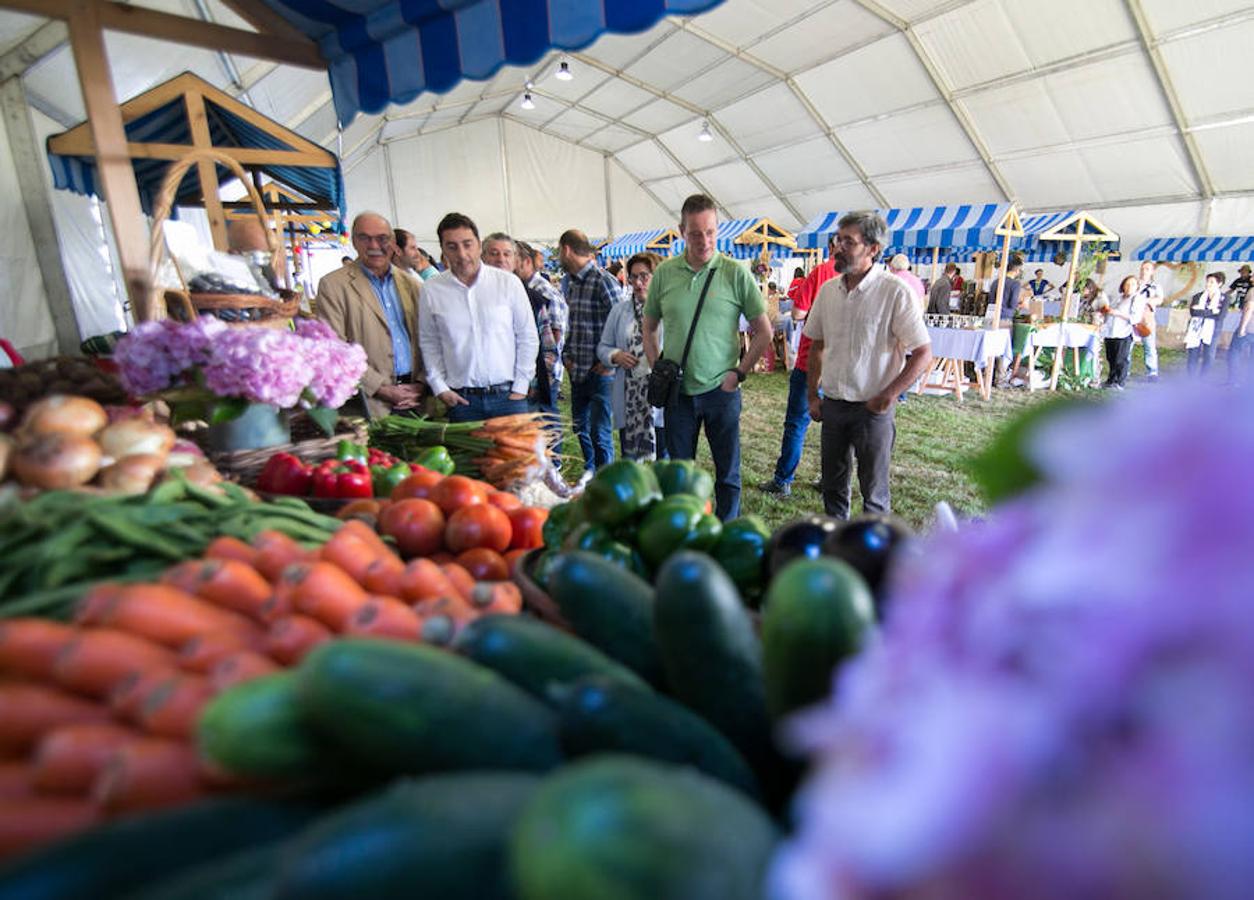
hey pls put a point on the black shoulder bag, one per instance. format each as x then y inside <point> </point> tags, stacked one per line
<point>667,375</point>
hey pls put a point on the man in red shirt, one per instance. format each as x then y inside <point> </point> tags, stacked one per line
<point>797,417</point>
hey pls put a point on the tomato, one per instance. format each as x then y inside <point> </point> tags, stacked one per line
<point>484,564</point>
<point>416,525</point>
<point>505,501</point>
<point>527,527</point>
<point>481,525</point>
<point>513,559</point>
<point>359,509</point>
<point>419,485</point>
<point>456,491</point>
<point>443,558</point>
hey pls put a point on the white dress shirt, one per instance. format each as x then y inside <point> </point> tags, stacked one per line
<point>477,336</point>
<point>1118,327</point>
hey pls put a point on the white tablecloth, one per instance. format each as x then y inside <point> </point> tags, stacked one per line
<point>975,346</point>
<point>1073,335</point>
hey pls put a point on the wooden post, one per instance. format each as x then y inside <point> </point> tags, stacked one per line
<point>1066,312</point>
<point>935,260</point>
<point>113,163</point>
<point>207,171</point>
<point>1001,279</point>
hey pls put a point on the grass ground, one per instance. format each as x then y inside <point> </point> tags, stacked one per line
<point>936,439</point>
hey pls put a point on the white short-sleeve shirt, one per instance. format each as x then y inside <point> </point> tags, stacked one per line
<point>866,333</point>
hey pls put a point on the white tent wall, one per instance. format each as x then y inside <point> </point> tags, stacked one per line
<point>553,185</point>
<point>24,317</point>
<point>631,207</point>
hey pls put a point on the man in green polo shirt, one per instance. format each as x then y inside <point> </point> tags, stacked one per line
<point>710,395</point>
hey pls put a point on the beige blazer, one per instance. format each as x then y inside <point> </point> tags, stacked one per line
<point>347,303</point>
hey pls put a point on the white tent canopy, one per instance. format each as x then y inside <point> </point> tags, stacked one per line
<point>1143,109</point>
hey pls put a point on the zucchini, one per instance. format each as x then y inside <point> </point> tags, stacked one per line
<point>247,875</point>
<point>597,715</point>
<point>442,837</point>
<point>410,708</point>
<point>610,608</point>
<point>536,656</point>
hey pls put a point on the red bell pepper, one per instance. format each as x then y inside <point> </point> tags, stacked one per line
<point>342,479</point>
<point>285,473</point>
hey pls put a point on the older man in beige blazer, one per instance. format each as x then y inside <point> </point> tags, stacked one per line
<point>373,303</point>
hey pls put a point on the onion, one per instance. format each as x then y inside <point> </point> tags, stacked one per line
<point>57,461</point>
<point>136,436</point>
<point>132,474</point>
<point>202,473</point>
<point>65,414</point>
<point>6,454</point>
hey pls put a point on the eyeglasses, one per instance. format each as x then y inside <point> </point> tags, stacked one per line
<point>380,239</point>
<point>848,243</point>
<point>640,276</point>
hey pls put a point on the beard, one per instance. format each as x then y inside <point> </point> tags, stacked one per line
<point>840,262</point>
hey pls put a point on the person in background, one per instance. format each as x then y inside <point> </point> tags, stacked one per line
<point>590,293</point>
<point>346,260</point>
<point>798,279</point>
<point>1240,355</point>
<point>862,326</point>
<point>619,272</point>
<point>542,304</point>
<point>498,251</point>
<point>478,334</point>
<point>540,394</point>
<point>709,396</point>
<point>1152,295</point>
<point>641,427</point>
<point>410,257</point>
<point>530,269</point>
<point>1039,285</point>
<point>1012,299</point>
<point>899,265</point>
<point>1117,330</point>
<point>1206,312</point>
<point>797,411</point>
<point>938,296</point>
<point>372,303</point>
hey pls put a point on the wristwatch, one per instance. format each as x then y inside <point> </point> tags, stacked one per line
<point>740,376</point>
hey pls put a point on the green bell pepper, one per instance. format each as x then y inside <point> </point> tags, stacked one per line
<point>589,536</point>
<point>619,492</point>
<point>741,551</point>
<point>386,478</point>
<point>667,525</point>
<point>683,476</point>
<point>704,537</point>
<point>561,521</point>
<point>623,555</point>
<point>437,459</point>
<point>346,450</point>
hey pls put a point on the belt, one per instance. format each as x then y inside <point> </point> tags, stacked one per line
<point>407,378</point>
<point>502,388</point>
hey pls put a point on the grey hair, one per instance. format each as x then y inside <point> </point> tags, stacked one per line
<point>872,225</point>
<point>501,236</point>
<point>361,215</point>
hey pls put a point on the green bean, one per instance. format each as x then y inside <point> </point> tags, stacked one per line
<point>138,536</point>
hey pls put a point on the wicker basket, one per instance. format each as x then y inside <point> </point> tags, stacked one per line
<point>309,442</point>
<point>185,304</point>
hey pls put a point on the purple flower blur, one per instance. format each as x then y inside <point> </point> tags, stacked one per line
<point>1060,703</point>
<point>310,366</point>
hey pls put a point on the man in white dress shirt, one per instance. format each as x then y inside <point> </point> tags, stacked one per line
<point>476,330</point>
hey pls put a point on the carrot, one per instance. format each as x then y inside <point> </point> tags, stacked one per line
<point>457,609</point>
<point>17,779</point>
<point>383,576</point>
<point>227,547</point>
<point>202,652</point>
<point>275,552</point>
<point>238,668</point>
<point>172,708</point>
<point>29,647</point>
<point>353,547</point>
<point>185,576</point>
<point>127,697</point>
<point>327,593</point>
<point>170,617</point>
<point>291,637</point>
<point>496,597</point>
<point>97,660</point>
<point>29,711</point>
<point>148,773</point>
<point>462,580</point>
<point>95,600</point>
<point>68,759</point>
<point>236,586</point>
<point>386,617</point>
<point>32,822</point>
<point>422,579</point>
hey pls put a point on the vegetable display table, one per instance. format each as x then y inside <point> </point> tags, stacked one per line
<point>951,347</point>
<point>1072,336</point>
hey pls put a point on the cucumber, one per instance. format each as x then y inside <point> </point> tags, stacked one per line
<point>118,858</point>
<point>819,613</point>
<point>536,656</point>
<point>409,708</point>
<point>610,608</point>
<point>247,875</point>
<point>442,836</point>
<point>255,730</point>
<point>597,715</point>
<point>711,653</point>
<point>619,828</point>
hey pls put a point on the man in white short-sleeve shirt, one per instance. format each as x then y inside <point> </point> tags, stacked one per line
<point>861,327</point>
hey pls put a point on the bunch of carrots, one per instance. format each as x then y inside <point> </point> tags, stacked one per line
<point>98,717</point>
<point>502,451</point>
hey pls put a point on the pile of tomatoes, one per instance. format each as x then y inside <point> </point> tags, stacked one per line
<point>452,518</point>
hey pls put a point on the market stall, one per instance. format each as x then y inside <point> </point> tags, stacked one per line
<point>656,240</point>
<point>957,340</point>
<point>755,238</point>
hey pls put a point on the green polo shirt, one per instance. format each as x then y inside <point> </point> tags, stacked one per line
<point>673,295</point>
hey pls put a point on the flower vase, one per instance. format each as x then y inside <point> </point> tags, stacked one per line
<point>260,425</point>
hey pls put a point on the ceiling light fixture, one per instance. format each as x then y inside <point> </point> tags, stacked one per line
<point>563,72</point>
<point>528,103</point>
<point>705,137</point>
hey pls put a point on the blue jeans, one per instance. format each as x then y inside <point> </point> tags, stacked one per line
<point>796,422</point>
<point>549,405</point>
<point>719,412</point>
<point>1240,358</point>
<point>1150,344</point>
<point>592,420</point>
<point>486,406</point>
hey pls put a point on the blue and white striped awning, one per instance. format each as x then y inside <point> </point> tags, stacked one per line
<point>638,242</point>
<point>1033,249</point>
<point>1229,248</point>
<point>728,232</point>
<point>390,51</point>
<point>961,229</point>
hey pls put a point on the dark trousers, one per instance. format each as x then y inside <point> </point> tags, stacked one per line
<point>719,412</point>
<point>796,421</point>
<point>1200,357</point>
<point>1118,358</point>
<point>592,420</point>
<point>486,406</point>
<point>548,404</point>
<point>850,431</point>
<point>1239,358</point>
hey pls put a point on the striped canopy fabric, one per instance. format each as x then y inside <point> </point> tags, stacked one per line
<point>726,244</point>
<point>958,230</point>
<point>1230,248</point>
<point>636,242</point>
<point>390,51</point>
<point>1033,249</point>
